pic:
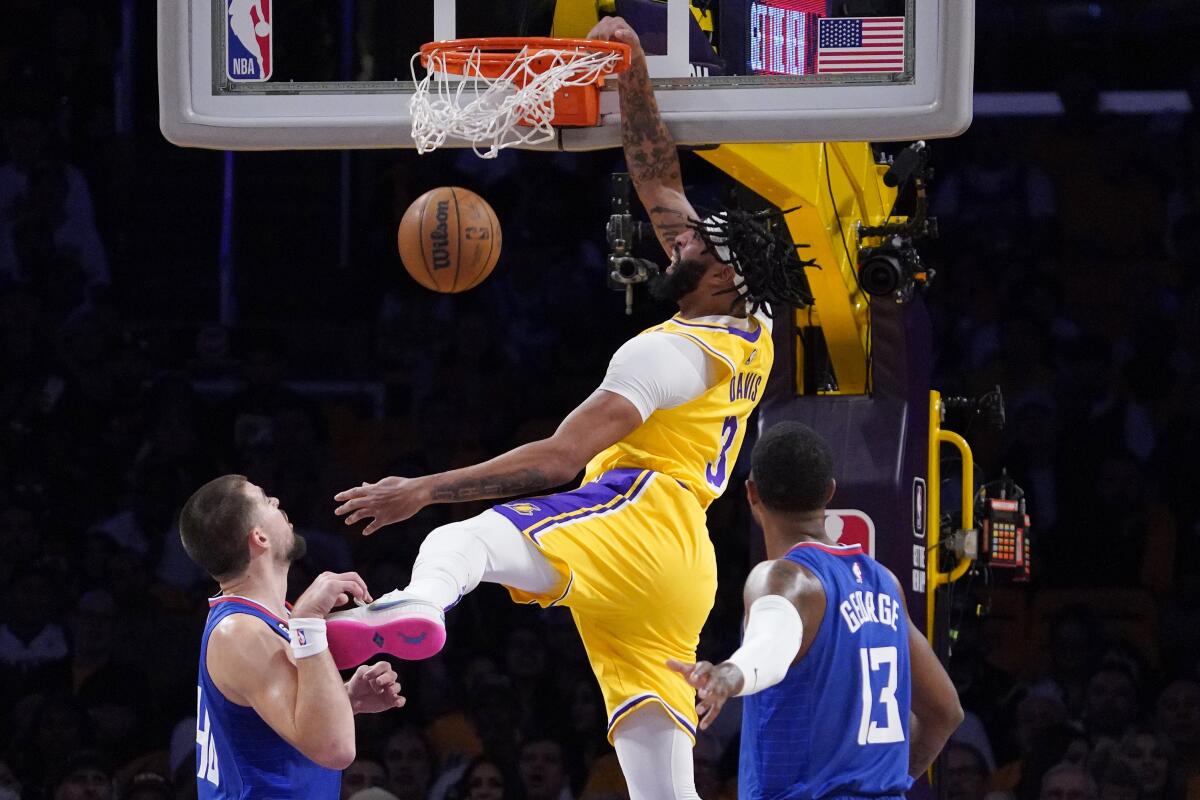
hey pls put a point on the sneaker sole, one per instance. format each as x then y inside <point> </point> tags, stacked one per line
<point>411,637</point>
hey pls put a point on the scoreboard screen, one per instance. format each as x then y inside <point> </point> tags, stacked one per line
<point>781,36</point>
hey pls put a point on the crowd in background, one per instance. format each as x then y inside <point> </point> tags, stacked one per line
<point>1068,273</point>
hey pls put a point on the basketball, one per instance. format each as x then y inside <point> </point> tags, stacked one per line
<point>262,29</point>
<point>449,239</point>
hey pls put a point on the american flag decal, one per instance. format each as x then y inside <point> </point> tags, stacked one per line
<point>860,44</point>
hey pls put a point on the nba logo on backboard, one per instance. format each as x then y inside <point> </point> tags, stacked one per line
<point>851,526</point>
<point>248,40</point>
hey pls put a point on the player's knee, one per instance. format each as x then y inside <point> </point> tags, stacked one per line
<point>447,538</point>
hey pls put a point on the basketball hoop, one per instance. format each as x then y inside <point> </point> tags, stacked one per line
<point>505,91</point>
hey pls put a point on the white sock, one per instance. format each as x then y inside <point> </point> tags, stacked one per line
<point>456,557</point>
<point>646,740</point>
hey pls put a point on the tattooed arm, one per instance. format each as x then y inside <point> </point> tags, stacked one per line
<point>600,421</point>
<point>649,149</point>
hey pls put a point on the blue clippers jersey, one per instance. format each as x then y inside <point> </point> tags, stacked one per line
<point>836,726</point>
<point>237,754</point>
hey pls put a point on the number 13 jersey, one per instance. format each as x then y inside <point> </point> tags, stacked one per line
<point>837,725</point>
<point>698,442</point>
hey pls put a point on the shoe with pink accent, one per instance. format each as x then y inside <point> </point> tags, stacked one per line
<point>396,624</point>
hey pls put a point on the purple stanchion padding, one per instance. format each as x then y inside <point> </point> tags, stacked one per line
<point>880,441</point>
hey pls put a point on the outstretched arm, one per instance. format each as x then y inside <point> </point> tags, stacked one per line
<point>298,693</point>
<point>649,149</point>
<point>599,422</point>
<point>784,607</point>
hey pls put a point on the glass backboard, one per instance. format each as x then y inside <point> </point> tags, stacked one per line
<point>256,74</point>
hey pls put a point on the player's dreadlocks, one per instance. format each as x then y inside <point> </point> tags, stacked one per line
<point>757,245</point>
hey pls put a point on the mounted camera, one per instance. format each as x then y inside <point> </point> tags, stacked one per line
<point>893,267</point>
<point>623,233</point>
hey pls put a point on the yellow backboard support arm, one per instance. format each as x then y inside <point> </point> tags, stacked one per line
<point>833,186</point>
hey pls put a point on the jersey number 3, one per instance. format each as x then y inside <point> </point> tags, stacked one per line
<point>718,470</point>
<point>879,662</point>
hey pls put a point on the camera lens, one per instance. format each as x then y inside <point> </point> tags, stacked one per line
<point>627,268</point>
<point>880,274</point>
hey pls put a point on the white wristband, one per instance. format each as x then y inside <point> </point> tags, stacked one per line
<point>308,637</point>
<point>773,635</point>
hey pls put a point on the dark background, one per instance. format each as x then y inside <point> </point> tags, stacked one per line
<point>1067,274</point>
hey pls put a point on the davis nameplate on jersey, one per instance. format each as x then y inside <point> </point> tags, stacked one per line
<point>248,40</point>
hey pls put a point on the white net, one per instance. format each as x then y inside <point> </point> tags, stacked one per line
<point>514,108</point>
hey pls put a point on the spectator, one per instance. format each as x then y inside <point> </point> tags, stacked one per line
<point>1177,715</point>
<point>48,236</point>
<point>526,661</point>
<point>31,639</point>
<point>1051,747</point>
<point>1038,714</point>
<point>972,733</point>
<point>1110,705</point>
<point>543,769</point>
<point>148,786</point>
<point>363,773</point>
<point>1075,641</point>
<point>1068,782</point>
<point>86,777</point>
<point>59,731</point>
<point>494,715</point>
<point>964,772</point>
<point>484,780</point>
<point>605,781</point>
<point>373,793</point>
<point>1151,758</point>
<point>409,762</point>
<point>96,673</point>
<point>1119,781</point>
<point>113,692</point>
<point>587,735</point>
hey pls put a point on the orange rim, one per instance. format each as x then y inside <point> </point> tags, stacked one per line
<point>496,51</point>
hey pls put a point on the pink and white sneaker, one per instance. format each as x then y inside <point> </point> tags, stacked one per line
<point>396,624</point>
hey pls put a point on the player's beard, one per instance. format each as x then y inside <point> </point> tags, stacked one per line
<point>681,281</point>
<point>297,550</point>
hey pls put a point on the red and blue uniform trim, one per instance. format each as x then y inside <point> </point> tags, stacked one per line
<point>832,549</point>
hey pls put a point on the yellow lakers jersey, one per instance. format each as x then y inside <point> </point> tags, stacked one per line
<point>698,442</point>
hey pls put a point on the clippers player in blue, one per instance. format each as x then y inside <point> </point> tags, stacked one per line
<point>274,719</point>
<point>845,698</point>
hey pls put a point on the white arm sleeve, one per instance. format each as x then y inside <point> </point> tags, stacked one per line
<point>772,639</point>
<point>659,370</point>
